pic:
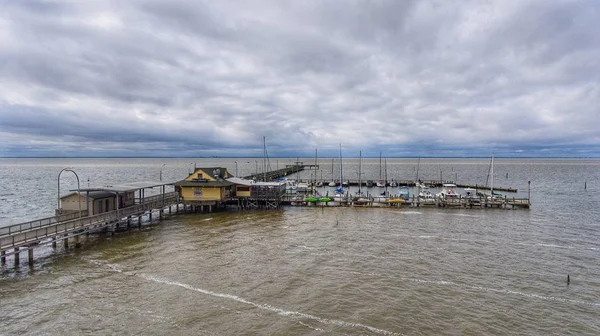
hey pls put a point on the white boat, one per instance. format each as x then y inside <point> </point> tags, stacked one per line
<point>426,197</point>
<point>393,184</point>
<point>470,192</point>
<point>290,186</point>
<point>302,187</point>
<point>381,183</point>
<point>448,191</point>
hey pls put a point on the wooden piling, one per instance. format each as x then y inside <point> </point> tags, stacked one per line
<point>66,243</point>
<point>77,243</point>
<point>16,256</point>
<point>30,256</point>
<point>3,257</point>
<point>54,242</point>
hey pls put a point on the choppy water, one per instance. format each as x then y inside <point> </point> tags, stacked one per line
<point>317,271</point>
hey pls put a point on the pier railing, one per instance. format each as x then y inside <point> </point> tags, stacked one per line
<point>34,231</point>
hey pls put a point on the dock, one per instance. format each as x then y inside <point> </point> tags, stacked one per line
<point>411,183</point>
<point>283,172</point>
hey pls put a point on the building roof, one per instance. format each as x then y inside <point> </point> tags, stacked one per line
<point>215,172</point>
<point>241,181</point>
<point>129,186</point>
<point>92,194</point>
<point>203,183</point>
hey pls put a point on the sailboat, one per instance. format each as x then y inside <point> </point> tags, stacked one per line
<point>380,183</point>
<point>492,194</point>
<point>339,192</point>
<point>332,183</point>
<point>360,197</point>
<point>314,195</point>
<point>383,198</point>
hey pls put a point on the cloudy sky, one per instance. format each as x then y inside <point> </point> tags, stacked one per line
<point>211,78</point>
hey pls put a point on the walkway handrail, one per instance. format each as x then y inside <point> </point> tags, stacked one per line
<point>49,221</point>
<point>20,238</point>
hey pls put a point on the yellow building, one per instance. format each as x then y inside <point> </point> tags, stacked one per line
<point>205,186</point>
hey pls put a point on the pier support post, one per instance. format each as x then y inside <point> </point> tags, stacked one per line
<point>16,256</point>
<point>77,243</point>
<point>170,206</point>
<point>30,256</point>
<point>3,257</point>
<point>140,222</point>
<point>128,222</point>
<point>150,216</point>
<point>66,243</point>
<point>54,242</point>
<point>160,213</point>
<point>177,208</point>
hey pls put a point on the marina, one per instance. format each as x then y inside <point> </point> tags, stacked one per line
<point>111,208</point>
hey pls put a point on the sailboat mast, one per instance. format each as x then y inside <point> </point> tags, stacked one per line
<point>315,176</point>
<point>341,169</point>
<point>359,171</point>
<point>492,177</point>
<point>332,177</point>
<point>380,165</point>
<point>385,182</point>
<point>418,163</point>
<point>264,159</point>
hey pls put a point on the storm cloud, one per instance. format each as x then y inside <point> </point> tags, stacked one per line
<point>211,78</point>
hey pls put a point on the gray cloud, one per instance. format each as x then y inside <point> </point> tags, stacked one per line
<point>195,78</point>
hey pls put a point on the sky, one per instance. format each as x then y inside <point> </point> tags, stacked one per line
<point>428,78</point>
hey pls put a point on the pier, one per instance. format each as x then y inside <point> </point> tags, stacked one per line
<point>283,172</point>
<point>71,224</point>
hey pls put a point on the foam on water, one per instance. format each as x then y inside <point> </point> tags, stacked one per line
<point>288,313</point>
<point>279,311</point>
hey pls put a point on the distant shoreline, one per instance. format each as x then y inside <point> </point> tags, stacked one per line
<point>298,157</point>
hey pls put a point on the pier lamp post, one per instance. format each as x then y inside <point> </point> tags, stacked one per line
<point>236,170</point>
<point>529,192</point>
<point>160,174</point>
<point>58,209</point>
<point>256,166</point>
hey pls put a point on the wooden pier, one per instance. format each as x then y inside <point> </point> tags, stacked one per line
<point>29,235</point>
<point>411,183</point>
<point>283,172</point>
<point>416,202</point>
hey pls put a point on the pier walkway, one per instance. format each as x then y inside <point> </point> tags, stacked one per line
<point>28,235</point>
<point>279,173</point>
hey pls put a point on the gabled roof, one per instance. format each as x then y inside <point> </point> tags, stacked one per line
<point>214,172</point>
